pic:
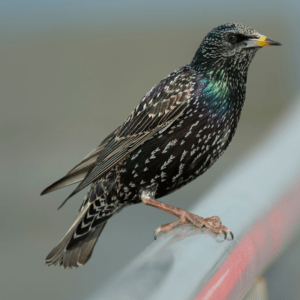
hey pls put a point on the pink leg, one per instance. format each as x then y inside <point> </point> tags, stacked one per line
<point>185,217</point>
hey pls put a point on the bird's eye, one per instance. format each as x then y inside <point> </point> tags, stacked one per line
<point>232,38</point>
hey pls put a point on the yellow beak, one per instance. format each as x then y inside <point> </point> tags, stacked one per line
<point>263,41</point>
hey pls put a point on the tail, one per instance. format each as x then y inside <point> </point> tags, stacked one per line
<point>75,250</point>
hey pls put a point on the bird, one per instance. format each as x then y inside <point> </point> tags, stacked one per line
<point>175,133</point>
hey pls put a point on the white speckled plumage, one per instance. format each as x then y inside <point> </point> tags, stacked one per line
<point>177,131</point>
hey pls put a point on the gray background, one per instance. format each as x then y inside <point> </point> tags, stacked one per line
<point>70,73</point>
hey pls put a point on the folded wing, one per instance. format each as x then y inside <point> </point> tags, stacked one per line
<point>159,108</point>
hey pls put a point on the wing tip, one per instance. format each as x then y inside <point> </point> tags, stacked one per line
<point>51,188</point>
<point>45,191</point>
<point>71,195</point>
<point>61,183</point>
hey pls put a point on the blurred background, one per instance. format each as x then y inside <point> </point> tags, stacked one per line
<point>70,73</point>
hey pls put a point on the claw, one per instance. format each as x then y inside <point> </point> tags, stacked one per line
<point>156,232</point>
<point>225,234</point>
<point>231,235</point>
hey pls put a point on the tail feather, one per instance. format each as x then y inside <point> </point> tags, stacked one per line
<point>79,254</point>
<point>71,253</point>
<point>89,245</point>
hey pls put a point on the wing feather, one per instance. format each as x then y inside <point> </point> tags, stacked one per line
<point>154,114</point>
<point>160,107</point>
<point>79,172</point>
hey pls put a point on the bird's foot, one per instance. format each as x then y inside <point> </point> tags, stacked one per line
<point>214,223</point>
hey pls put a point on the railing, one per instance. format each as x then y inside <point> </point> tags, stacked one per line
<point>258,200</point>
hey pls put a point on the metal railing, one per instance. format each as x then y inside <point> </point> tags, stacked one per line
<point>259,200</point>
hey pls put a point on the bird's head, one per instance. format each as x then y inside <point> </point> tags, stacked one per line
<point>231,46</point>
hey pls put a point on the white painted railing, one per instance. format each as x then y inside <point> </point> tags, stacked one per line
<point>258,200</point>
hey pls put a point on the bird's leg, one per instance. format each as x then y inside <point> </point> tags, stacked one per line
<point>185,217</point>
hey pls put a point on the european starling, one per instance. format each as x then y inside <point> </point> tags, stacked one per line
<point>176,132</point>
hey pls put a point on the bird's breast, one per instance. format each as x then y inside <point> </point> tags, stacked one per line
<point>178,155</point>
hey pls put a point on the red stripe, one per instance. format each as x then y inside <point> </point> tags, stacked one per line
<point>255,250</point>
